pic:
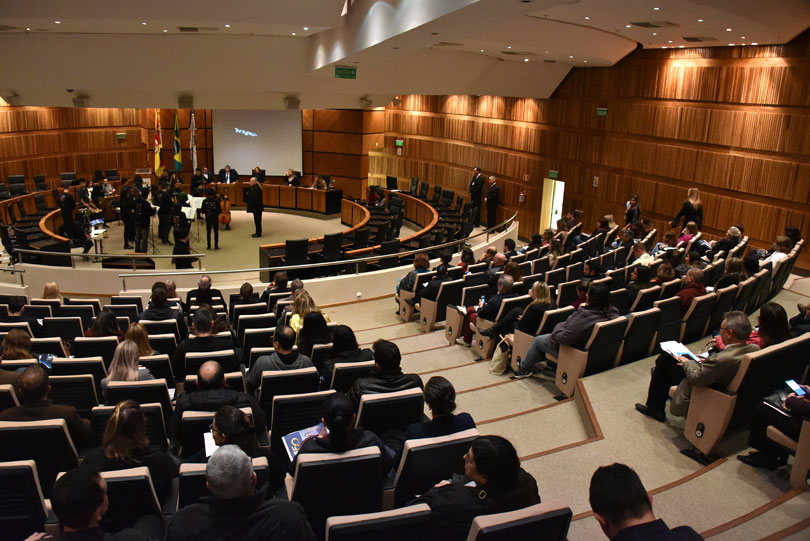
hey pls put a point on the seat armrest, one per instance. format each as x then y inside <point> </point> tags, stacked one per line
<point>571,364</point>
<point>170,502</point>
<point>709,413</point>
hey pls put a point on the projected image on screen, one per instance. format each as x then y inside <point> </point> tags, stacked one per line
<point>269,139</point>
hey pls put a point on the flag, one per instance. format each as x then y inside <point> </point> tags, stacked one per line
<point>178,158</point>
<point>192,126</point>
<point>158,145</point>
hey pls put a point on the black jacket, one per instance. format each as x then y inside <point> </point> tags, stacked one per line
<point>689,213</point>
<point>493,195</point>
<point>657,530</point>
<point>247,519</point>
<point>355,355</point>
<point>142,211</point>
<point>476,187</point>
<point>212,208</point>
<point>255,199</point>
<point>166,312</point>
<point>212,400</point>
<point>162,469</point>
<point>383,382</point>
<point>202,343</point>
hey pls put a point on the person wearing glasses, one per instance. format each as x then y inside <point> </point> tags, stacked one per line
<point>718,368</point>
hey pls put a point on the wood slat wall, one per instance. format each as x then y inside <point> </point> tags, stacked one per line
<point>732,121</point>
<point>337,143</point>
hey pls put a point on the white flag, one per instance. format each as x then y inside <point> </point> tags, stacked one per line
<point>192,126</point>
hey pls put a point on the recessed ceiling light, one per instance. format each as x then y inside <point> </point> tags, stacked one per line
<point>525,59</point>
<point>663,46</point>
<point>742,37</point>
<point>754,43</point>
<point>656,9</point>
<point>57,22</point>
<point>572,56</point>
<point>28,29</point>
<point>227,26</point>
<point>293,33</point>
<point>306,28</point>
<point>628,25</point>
<point>655,33</point>
<point>546,52</point>
<point>700,20</point>
<point>508,46</point>
<point>670,41</point>
<point>482,50</point>
<point>681,46</point>
<point>585,61</point>
<point>144,23</point>
<point>587,18</point>
<point>728,29</point>
<point>731,45</point>
<point>165,30</point>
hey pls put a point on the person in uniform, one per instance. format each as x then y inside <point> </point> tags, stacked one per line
<point>212,208</point>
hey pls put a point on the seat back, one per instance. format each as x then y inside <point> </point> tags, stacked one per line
<point>760,292</point>
<point>163,343</point>
<point>142,392</point>
<point>23,510</point>
<point>8,396</point>
<point>39,311</point>
<point>414,185</point>
<point>344,374</point>
<point>95,303</point>
<point>355,475</point>
<point>567,293</point>
<point>395,525</point>
<point>233,380</point>
<point>644,299</point>
<point>254,321</point>
<point>618,276</point>
<point>361,237</point>
<point>103,346</point>
<point>295,251</point>
<point>639,338</point>
<point>128,299</point>
<point>163,326</point>
<point>723,304</point>
<point>618,298</point>
<point>332,244</point>
<point>160,366</point>
<point>77,390</point>
<point>384,411</point>
<point>555,277</point>
<point>131,495</point>
<point>153,416</point>
<point>449,294</point>
<point>669,289</point>
<point>83,312</point>
<point>124,310</point>
<point>283,382</point>
<point>320,352</point>
<point>22,325</point>
<point>423,189</point>
<point>47,442</point>
<point>50,345</point>
<point>547,521</point>
<point>669,327</point>
<point>603,345</point>
<point>696,317</point>
<point>427,461</point>
<point>244,310</point>
<point>553,317</point>
<point>254,339</point>
<point>294,412</point>
<point>744,290</point>
<point>68,328</point>
<point>575,271</point>
<point>225,357</point>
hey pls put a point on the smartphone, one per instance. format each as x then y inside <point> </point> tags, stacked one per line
<point>45,359</point>
<point>481,300</point>
<point>795,387</point>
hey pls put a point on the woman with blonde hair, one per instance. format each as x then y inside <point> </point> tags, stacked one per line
<point>51,291</point>
<point>691,210</point>
<point>125,445</point>
<point>301,306</point>
<point>124,366</point>
<point>137,333</point>
<point>17,345</point>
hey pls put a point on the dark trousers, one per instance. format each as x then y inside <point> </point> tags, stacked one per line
<point>768,415</point>
<point>667,373</point>
<point>491,219</point>
<point>164,227</point>
<point>141,238</point>
<point>257,222</point>
<point>129,231</point>
<point>475,212</point>
<point>212,226</point>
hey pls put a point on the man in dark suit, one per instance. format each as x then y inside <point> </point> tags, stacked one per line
<point>204,293</point>
<point>207,176</point>
<point>476,187</point>
<point>34,388</point>
<point>196,182</point>
<point>228,175</point>
<point>278,285</point>
<point>255,205</point>
<point>491,198</point>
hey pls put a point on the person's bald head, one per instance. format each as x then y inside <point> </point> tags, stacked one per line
<point>499,260</point>
<point>205,282</point>
<point>695,275</point>
<point>210,376</point>
<point>491,251</point>
<point>33,383</point>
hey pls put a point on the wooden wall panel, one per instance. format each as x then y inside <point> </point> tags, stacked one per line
<point>731,121</point>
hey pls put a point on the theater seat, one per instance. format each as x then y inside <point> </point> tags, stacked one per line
<point>546,521</point>
<point>432,312</point>
<point>191,481</point>
<point>294,412</point>
<point>24,510</point>
<point>454,319</point>
<point>281,382</point>
<point>403,524</point>
<point>103,346</point>
<point>142,392</point>
<point>381,412</point>
<point>485,345</point>
<point>155,425</point>
<point>344,374</point>
<point>131,495</point>
<point>8,397</point>
<point>800,474</point>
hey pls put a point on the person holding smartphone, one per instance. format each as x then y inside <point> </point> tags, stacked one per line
<point>787,419</point>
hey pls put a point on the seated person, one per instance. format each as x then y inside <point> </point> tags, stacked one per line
<point>623,508</point>
<point>718,368</point>
<point>663,274</point>
<point>640,256</point>
<point>582,294</point>
<point>509,248</point>
<point>488,255</point>
<point>124,366</point>
<point>445,257</point>
<point>283,358</point>
<point>639,279</point>
<point>693,286</point>
<point>431,289</point>
<point>338,418</point>
<point>278,285</point>
<point>16,345</point>
<point>692,260</point>
<point>487,310</point>
<point>16,309</point>
<point>235,509</point>
<point>136,332</point>
<point>670,243</point>
<point>126,445</point>
<point>33,387</point>
<point>231,426</point>
<point>246,296</point>
<point>535,243</point>
<point>466,259</point>
<point>344,350</point>
<point>627,239</point>
<point>572,332</point>
<point>782,247</point>
<point>202,324</point>
<point>313,331</point>
<point>499,485</point>
<point>440,397</point>
<point>302,305</point>
<point>772,328</point>
<point>160,310</point>
<point>800,323</point>
<point>421,264</point>
<point>211,394</point>
<point>592,270</point>
<point>387,377</point>
<point>733,273</point>
<point>204,293</point>
<point>105,324</point>
<point>688,232</point>
<point>727,243</point>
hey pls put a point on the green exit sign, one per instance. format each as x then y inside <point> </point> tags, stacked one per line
<point>345,72</point>
<point>399,142</point>
<point>601,111</point>
<point>552,173</point>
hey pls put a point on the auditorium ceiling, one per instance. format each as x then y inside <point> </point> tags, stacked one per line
<point>249,54</point>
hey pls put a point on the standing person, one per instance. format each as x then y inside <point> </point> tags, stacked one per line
<point>633,213</point>
<point>212,208</point>
<point>476,187</point>
<point>164,212</point>
<point>255,205</point>
<point>127,211</point>
<point>691,210</point>
<point>182,246</point>
<point>67,205</point>
<point>180,223</point>
<point>142,215</point>
<point>491,198</point>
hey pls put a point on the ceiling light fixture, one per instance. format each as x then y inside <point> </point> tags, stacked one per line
<point>670,41</point>
<point>587,18</point>
<point>28,29</point>
<point>585,61</point>
<point>663,46</point>
<point>628,25</point>
<point>165,30</point>
<point>293,33</point>
<point>227,26</point>
<point>731,45</point>
<point>572,56</point>
<point>482,50</point>
<point>306,28</point>
<point>754,43</point>
<point>508,46</point>
<point>655,33</point>
<point>700,20</point>
<point>728,29</point>
<point>742,37</point>
<point>525,59</point>
<point>656,9</point>
<point>57,22</point>
<point>681,46</point>
<point>144,23</point>
<point>546,52</point>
